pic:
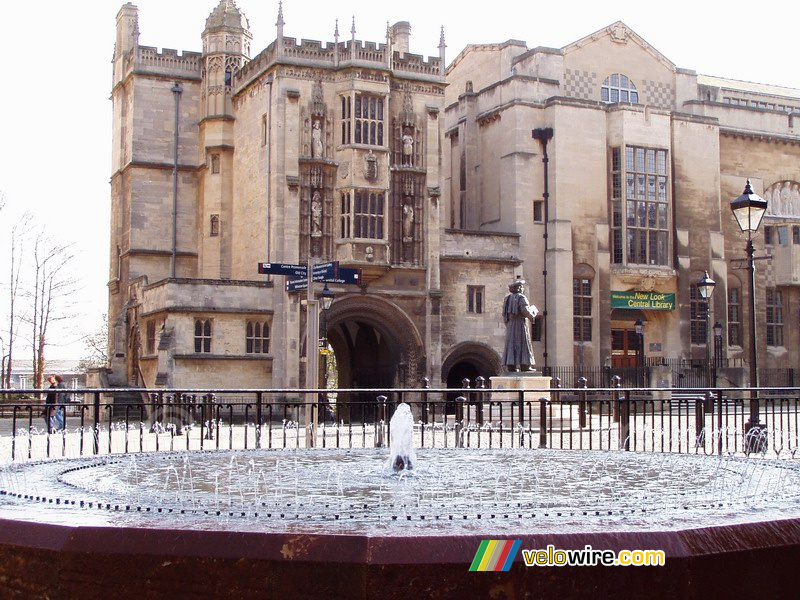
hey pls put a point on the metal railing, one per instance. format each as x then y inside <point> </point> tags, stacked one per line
<point>110,421</point>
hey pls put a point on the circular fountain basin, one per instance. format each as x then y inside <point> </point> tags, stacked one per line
<point>345,513</point>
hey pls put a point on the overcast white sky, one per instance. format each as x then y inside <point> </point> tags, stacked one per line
<point>55,112</point>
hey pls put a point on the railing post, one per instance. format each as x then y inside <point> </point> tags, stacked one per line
<point>459,426</point>
<point>700,421</point>
<point>582,383</point>
<point>625,421</point>
<point>259,401</point>
<point>380,442</point>
<point>542,422</point>
<point>477,399</point>
<point>616,382</point>
<point>719,423</point>
<point>426,384</point>
<point>96,423</point>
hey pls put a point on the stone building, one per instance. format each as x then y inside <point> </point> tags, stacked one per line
<point>432,183</point>
<point>643,159</point>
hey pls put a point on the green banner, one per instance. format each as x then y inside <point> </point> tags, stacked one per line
<point>643,300</point>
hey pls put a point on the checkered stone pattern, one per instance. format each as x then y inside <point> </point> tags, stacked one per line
<point>769,272</point>
<point>657,94</point>
<point>581,84</point>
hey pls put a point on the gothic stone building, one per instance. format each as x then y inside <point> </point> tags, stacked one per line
<point>432,184</point>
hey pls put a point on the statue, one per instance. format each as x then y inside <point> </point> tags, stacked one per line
<point>316,215</point>
<point>316,139</point>
<point>518,354</point>
<point>408,148</point>
<point>408,223</point>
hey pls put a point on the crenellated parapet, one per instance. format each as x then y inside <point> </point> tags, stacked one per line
<point>169,61</point>
<point>172,63</point>
<point>341,54</point>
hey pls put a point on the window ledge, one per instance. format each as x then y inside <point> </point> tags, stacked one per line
<point>209,356</point>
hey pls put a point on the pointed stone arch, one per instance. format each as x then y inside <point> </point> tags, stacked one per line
<point>361,317</point>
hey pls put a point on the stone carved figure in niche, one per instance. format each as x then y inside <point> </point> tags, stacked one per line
<point>316,215</point>
<point>794,206</point>
<point>408,147</point>
<point>316,139</point>
<point>786,199</point>
<point>408,223</point>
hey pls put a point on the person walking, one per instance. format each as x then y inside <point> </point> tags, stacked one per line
<point>61,398</point>
<point>49,411</point>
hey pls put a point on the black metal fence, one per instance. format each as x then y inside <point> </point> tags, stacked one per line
<point>700,420</point>
<point>684,374</point>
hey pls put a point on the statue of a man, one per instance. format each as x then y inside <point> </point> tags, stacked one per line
<point>518,354</point>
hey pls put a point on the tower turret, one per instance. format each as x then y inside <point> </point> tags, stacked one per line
<point>127,37</point>
<point>226,48</point>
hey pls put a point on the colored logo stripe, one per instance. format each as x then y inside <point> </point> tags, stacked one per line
<point>495,555</point>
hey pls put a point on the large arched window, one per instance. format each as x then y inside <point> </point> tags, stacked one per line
<point>618,88</point>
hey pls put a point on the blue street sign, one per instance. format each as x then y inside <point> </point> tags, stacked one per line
<point>282,269</point>
<point>345,276</point>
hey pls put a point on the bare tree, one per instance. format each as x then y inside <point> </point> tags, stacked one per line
<point>17,240</point>
<point>50,295</point>
<point>96,345</point>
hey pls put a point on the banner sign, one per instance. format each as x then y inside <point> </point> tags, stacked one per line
<point>643,300</point>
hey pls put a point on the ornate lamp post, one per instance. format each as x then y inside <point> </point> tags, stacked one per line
<point>706,289</point>
<point>327,297</point>
<point>749,209</point>
<point>717,349</point>
<point>638,326</point>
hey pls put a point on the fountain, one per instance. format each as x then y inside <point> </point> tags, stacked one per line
<point>355,523</point>
<point>401,447</point>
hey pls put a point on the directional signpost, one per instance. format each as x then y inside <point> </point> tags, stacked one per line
<point>298,277</point>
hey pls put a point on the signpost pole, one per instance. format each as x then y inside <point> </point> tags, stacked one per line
<point>312,357</point>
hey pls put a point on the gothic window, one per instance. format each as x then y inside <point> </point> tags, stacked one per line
<point>202,335</point>
<point>362,119</point>
<point>582,310</point>
<point>698,316</point>
<point>639,206</point>
<point>618,88</point>
<point>215,163</point>
<point>362,214</point>
<point>257,337</point>
<point>774,317</point>
<point>734,317</point>
<point>214,225</point>
<point>475,294</point>
<point>150,344</point>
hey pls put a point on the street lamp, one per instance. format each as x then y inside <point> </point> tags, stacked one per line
<point>749,209</point>
<point>638,326</point>
<point>327,299</point>
<point>717,349</point>
<point>706,288</point>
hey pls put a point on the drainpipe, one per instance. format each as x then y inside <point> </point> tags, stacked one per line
<point>177,90</point>
<point>268,143</point>
<point>543,135</point>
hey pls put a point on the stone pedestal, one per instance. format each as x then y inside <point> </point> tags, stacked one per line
<point>506,387</point>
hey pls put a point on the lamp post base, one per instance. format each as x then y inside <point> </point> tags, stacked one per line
<point>755,438</point>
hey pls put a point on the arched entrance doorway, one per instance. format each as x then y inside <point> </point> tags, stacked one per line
<point>377,347</point>
<point>468,360</point>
